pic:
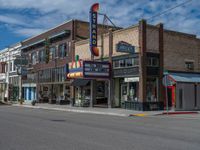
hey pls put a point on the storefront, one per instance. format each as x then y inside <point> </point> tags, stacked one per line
<point>183,91</point>
<point>29,92</point>
<point>3,87</point>
<point>90,80</point>
<point>126,78</point>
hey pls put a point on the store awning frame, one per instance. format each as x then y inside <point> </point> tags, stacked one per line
<point>80,82</point>
<point>184,77</point>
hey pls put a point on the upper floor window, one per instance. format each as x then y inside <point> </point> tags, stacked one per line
<point>52,53</point>
<point>152,62</point>
<point>11,64</point>
<point>128,62</point>
<point>34,58</point>
<point>62,50</point>
<point>189,65</point>
<point>41,56</point>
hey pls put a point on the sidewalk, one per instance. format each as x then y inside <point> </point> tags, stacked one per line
<point>104,111</point>
<point>101,111</point>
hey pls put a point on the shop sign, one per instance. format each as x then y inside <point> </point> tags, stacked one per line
<point>75,69</point>
<point>126,72</point>
<point>93,69</point>
<point>134,79</point>
<point>93,29</point>
<point>20,61</point>
<point>125,47</point>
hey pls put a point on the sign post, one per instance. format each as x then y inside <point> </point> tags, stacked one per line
<point>166,93</point>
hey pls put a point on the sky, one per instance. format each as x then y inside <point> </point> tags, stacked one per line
<point>21,19</point>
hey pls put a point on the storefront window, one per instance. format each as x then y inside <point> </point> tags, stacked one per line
<point>129,91</point>
<point>152,85</point>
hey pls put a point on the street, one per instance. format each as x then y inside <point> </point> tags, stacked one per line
<point>37,129</point>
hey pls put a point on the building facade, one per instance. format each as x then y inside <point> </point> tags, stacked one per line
<point>140,56</point>
<point>10,79</point>
<point>48,55</point>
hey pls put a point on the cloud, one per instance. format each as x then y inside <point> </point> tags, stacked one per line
<point>32,17</point>
<point>11,19</point>
<point>28,32</point>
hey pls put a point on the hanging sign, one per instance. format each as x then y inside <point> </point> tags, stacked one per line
<point>93,29</point>
<point>125,47</point>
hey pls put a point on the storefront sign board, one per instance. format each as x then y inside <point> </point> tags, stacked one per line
<point>93,69</point>
<point>125,47</point>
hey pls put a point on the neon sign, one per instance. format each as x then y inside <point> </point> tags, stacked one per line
<point>93,29</point>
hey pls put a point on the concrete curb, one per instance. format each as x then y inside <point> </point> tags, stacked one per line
<point>73,110</point>
<point>179,113</point>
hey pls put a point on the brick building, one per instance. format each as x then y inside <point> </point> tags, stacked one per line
<point>48,53</point>
<point>137,75</point>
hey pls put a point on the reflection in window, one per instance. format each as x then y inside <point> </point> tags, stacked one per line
<point>129,62</point>
<point>34,58</point>
<point>52,53</point>
<point>152,85</point>
<point>41,56</point>
<point>152,62</point>
<point>62,50</point>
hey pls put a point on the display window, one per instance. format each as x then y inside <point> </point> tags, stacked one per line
<point>152,89</point>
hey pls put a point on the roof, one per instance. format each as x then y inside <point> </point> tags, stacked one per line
<point>185,77</point>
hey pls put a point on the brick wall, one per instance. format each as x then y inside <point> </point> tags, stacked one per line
<point>179,48</point>
<point>129,35</point>
<point>152,39</point>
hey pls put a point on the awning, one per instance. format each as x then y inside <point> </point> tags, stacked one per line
<point>60,34</point>
<point>32,44</point>
<point>80,82</point>
<point>185,77</point>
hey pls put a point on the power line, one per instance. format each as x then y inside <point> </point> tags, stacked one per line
<point>167,10</point>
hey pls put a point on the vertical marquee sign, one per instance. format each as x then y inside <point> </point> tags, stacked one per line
<point>93,29</point>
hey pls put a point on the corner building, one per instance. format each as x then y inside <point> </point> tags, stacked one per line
<point>137,74</point>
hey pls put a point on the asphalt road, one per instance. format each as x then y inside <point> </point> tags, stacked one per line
<point>36,129</point>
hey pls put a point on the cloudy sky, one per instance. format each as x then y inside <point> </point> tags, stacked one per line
<point>20,19</point>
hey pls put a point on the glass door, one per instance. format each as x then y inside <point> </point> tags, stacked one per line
<point>124,92</point>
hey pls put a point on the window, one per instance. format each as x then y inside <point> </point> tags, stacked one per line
<point>41,56</point>
<point>52,53</point>
<point>152,87</point>
<point>122,63</point>
<point>152,62</point>
<point>11,66</point>
<point>116,64</point>
<point>62,50</point>
<point>189,65</point>
<point>129,62</point>
<point>34,58</point>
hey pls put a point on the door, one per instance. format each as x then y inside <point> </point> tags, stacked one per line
<point>124,92</point>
